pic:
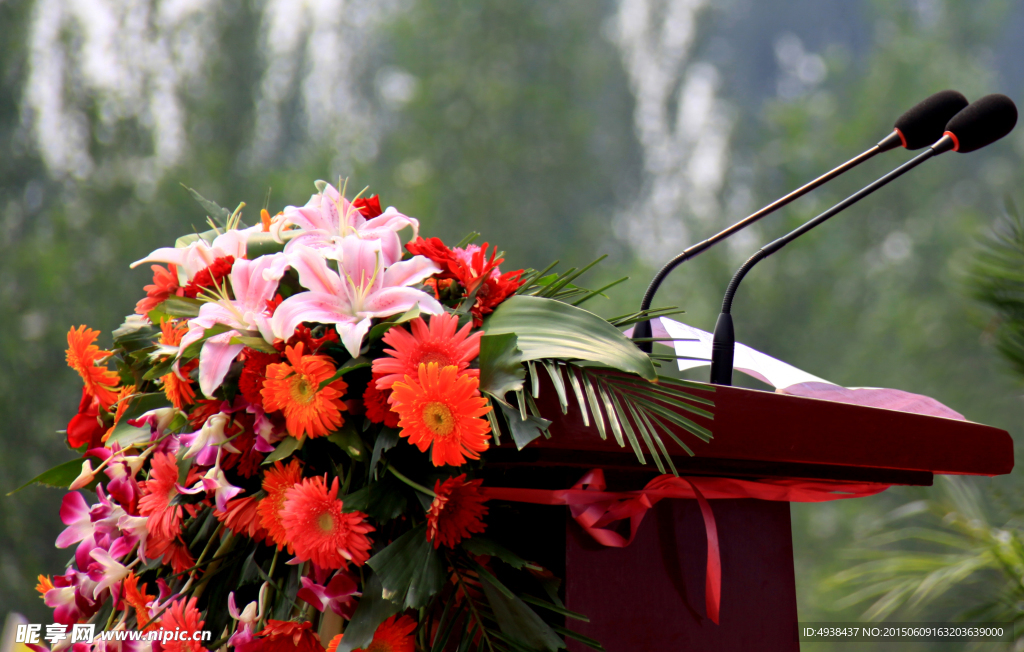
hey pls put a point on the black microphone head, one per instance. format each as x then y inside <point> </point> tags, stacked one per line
<point>982,123</point>
<point>924,123</point>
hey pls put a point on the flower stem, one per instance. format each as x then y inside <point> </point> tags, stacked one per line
<point>418,487</point>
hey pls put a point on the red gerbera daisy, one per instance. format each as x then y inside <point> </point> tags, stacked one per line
<point>276,482</point>
<point>376,403</point>
<point>392,635</point>
<point>289,636</point>
<point>442,412</point>
<point>439,343</point>
<point>184,617</point>
<point>294,388</point>
<point>171,553</point>
<point>242,516</point>
<point>315,524</point>
<point>165,284</point>
<point>157,493</point>
<point>457,511</point>
<point>82,356</point>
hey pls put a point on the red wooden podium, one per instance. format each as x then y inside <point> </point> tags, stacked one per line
<point>650,595</point>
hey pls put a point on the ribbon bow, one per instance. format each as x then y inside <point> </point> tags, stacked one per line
<point>597,510</point>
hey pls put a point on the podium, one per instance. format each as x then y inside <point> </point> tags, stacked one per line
<point>650,594</point>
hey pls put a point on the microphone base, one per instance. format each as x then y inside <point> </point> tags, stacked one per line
<point>723,348</point>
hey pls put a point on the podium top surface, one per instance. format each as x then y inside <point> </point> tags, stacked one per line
<point>759,433</point>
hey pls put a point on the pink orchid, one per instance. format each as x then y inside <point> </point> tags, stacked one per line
<point>199,255</point>
<point>328,217</point>
<point>339,594</point>
<point>252,284</point>
<point>74,512</point>
<point>215,481</point>
<point>63,599</point>
<point>105,570</point>
<point>135,529</point>
<point>266,433</point>
<point>209,440</point>
<point>366,288</point>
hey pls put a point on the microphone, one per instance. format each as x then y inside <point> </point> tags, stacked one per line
<point>980,124</point>
<point>921,125</point>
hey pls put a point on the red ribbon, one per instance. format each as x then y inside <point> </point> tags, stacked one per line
<point>596,509</point>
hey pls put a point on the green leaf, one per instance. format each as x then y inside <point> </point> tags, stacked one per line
<point>348,440</point>
<point>257,343</point>
<point>387,438</point>
<point>213,209</point>
<point>186,240</point>
<point>60,476</point>
<point>482,546</point>
<point>501,364</point>
<point>193,349</point>
<point>378,331</point>
<point>125,433</point>
<point>519,622</point>
<point>523,431</point>
<point>373,609</point>
<point>283,450</point>
<point>411,571</point>
<point>262,244</point>
<point>382,501</point>
<point>546,328</point>
<point>350,365</point>
<point>180,307</point>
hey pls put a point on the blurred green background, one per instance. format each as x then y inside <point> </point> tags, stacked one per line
<point>557,130</point>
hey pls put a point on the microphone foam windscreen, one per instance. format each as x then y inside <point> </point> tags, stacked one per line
<point>924,123</point>
<point>984,122</point>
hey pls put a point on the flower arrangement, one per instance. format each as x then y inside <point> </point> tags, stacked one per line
<point>286,438</point>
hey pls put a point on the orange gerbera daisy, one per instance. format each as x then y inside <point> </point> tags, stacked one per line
<point>172,553</point>
<point>156,502</point>
<point>177,388</point>
<point>139,600</point>
<point>294,388</point>
<point>442,410</point>
<point>439,343</point>
<point>457,511</point>
<point>82,356</point>
<point>122,405</point>
<point>184,617</point>
<point>392,635</point>
<point>315,524</point>
<point>44,585</point>
<point>165,283</point>
<point>243,517</point>
<point>290,636</point>
<point>276,482</point>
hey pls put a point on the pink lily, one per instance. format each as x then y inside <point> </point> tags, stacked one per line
<point>328,217</point>
<point>339,594</point>
<point>366,288</point>
<point>252,284</point>
<point>199,255</point>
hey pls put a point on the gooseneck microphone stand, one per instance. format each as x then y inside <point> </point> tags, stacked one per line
<point>642,332</point>
<point>724,342</point>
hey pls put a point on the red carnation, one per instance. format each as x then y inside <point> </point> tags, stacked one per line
<point>377,408</point>
<point>210,277</point>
